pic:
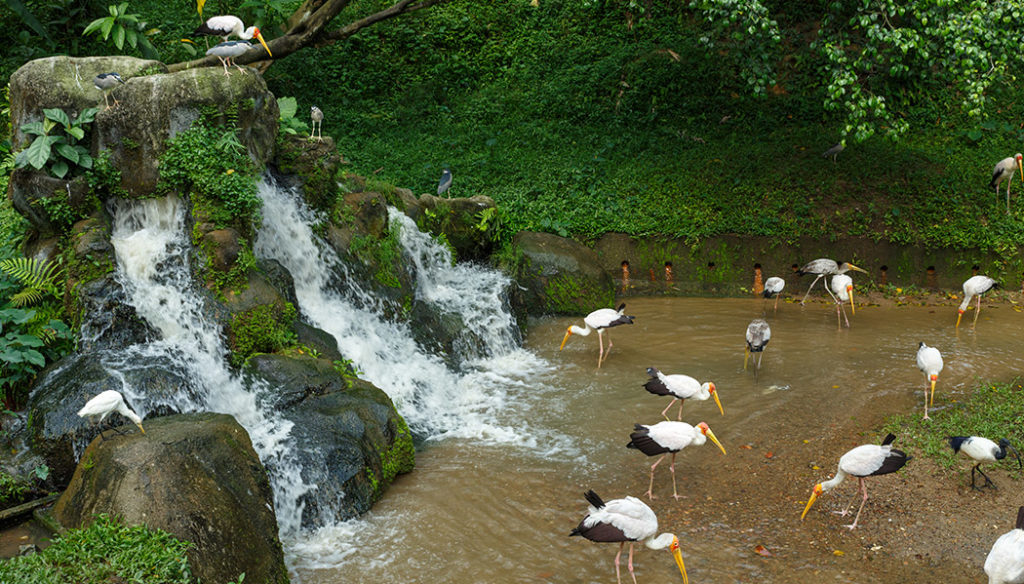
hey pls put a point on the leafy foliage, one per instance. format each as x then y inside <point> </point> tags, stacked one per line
<point>120,26</point>
<point>39,278</point>
<point>287,120</point>
<point>105,551</point>
<point>60,153</point>
<point>265,328</point>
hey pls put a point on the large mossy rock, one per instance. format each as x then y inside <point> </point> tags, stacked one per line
<point>312,167</point>
<point>195,476</point>
<point>353,441</point>
<point>468,224</point>
<point>561,276</point>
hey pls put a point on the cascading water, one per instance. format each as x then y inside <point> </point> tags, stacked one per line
<point>152,256</point>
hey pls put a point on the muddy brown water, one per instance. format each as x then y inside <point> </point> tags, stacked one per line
<point>493,513</point>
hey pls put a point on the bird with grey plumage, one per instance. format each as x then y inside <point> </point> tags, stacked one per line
<point>318,123</point>
<point>834,151</point>
<point>106,82</point>
<point>229,50</point>
<point>445,183</point>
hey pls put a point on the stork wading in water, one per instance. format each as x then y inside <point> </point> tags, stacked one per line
<point>680,387</point>
<point>863,461</point>
<point>626,520</point>
<point>842,291</point>
<point>106,82</point>
<point>669,438</point>
<point>1005,561</point>
<point>227,26</point>
<point>825,267</point>
<point>773,287</point>
<point>758,335</point>
<point>599,320</point>
<point>974,286</point>
<point>317,117</point>
<point>983,450</point>
<point>1004,171</point>
<point>929,361</point>
<point>106,403</point>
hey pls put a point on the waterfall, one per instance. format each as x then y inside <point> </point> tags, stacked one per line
<point>151,246</point>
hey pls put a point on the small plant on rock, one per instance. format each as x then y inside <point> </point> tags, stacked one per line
<point>58,151</point>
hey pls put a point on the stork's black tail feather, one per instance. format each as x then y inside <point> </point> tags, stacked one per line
<point>593,499</point>
<point>1020,518</point>
<point>955,442</point>
<point>888,439</point>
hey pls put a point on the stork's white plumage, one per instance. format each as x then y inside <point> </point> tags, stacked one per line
<point>773,287</point>
<point>227,26</point>
<point>863,461</point>
<point>1005,562</point>
<point>599,320</point>
<point>317,117</point>
<point>982,450</point>
<point>229,50</point>
<point>825,267</point>
<point>680,387</point>
<point>842,291</point>
<point>1004,171</point>
<point>758,335</point>
<point>929,361</point>
<point>974,286</point>
<point>106,403</point>
<point>622,520</point>
<point>669,438</point>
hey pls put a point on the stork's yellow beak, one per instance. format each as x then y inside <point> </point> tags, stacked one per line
<point>678,555</point>
<point>141,429</point>
<point>264,43</point>
<point>959,315</point>
<point>565,340</point>
<point>814,497</point>
<point>711,435</point>
<point>853,267</point>
<point>714,392</point>
<point>1021,167</point>
<point>853,305</point>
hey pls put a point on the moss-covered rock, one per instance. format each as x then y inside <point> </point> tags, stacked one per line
<point>195,476</point>
<point>314,166</point>
<point>469,225</point>
<point>561,276</point>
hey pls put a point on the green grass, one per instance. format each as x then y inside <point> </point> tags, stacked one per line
<point>992,410</point>
<point>103,553</point>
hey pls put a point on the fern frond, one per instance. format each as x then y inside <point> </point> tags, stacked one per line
<point>33,273</point>
<point>27,297</point>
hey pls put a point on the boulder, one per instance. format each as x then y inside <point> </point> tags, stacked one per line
<point>195,476</point>
<point>469,224</point>
<point>30,190</point>
<point>312,167</point>
<point>561,276</point>
<point>353,442</point>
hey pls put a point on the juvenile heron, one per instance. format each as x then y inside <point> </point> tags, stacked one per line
<point>445,182</point>
<point>825,267</point>
<point>105,82</point>
<point>106,403</point>
<point>758,335</point>
<point>228,50</point>
<point>318,123</point>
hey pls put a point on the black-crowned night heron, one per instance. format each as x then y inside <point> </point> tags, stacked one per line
<point>106,82</point>
<point>445,183</point>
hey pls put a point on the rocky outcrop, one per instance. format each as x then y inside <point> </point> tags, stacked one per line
<point>195,476</point>
<point>311,167</point>
<point>561,276</point>
<point>468,224</point>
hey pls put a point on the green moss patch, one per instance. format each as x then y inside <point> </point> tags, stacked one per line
<point>262,329</point>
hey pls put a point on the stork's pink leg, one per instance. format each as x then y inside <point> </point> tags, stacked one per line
<point>600,349</point>
<point>617,556</point>
<point>864,489</point>
<point>631,563</point>
<point>926,404</point>
<point>812,287</point>
<point>977,312</point>
<point>669,406</point>
<point>681,400</point>
<point>777,302</point>
<point>650,486</point>
<point>672,467</point>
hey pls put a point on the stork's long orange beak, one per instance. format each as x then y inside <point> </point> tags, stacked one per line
<point>714,391</point>
<point>853,305</point>
<point>853,267</point>
<point>566,339</point>
<point>814,497</point>
<point>674,548</point>
<point>264,43</point>
<point>711,435</point>
<point>959,315</point>
<point>1021,167</point>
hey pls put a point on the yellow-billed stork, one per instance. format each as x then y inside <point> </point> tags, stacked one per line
<point>669,438</point>
<point>227,26</point>
<point>825,267</point>
<point>863,461</point>
<point>773,287</point>
<point>599,320</point>
<point>106,403</point>
<point>929,361</point>
<point>622,520</point>
<point>1005,562</point>
<point>982,450</point>
<point>680,387</point>
<point>1004,171</point>
<point>758,335</point>
<point>105,82</point>
<point>842,291</point>
<point>974,286</point>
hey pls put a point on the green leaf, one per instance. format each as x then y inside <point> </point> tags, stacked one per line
<point>18,7</point>
<point>108,23</point>
<point>84,160</point>
<point>59,169</point>
<point>93,26</point>
<point>27,340</point>
<point>68,151</point>
<point>132,37</point>
<point>76,132</point>
<point>38,152</point>
<point>33,128</point>
<point>119,37</point>
<point>87,116</point>
<point>287,106</point>
<point>57,115</point>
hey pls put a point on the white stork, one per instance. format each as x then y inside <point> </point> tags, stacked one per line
<point>623,520</point>
<point>773,287</point>
<point>227,26</point>
<point>929,361</point>
<point>1005,562</point>
<point>669,437</point>
<point>105,403</point>
<point>105,82</point>
<point>974,286</point>
<point>863,461</point>
<point>825,267</point>
<point>680,387</point>
<point>758,335</point>
<point>599,320</point>
<point>1004,171</point>
<point>982,450</point>
<point>842,291</point>
<point>317,117</point>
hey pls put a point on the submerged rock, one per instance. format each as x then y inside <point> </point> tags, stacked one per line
<point>195,476</point>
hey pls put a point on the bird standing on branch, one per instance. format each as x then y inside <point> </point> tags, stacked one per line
<point>622,520</point>
<point>863,461</point>
<point>599,320</point>
<point>982,450</point>
<point>227,26</point>
<point>104,404</point>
